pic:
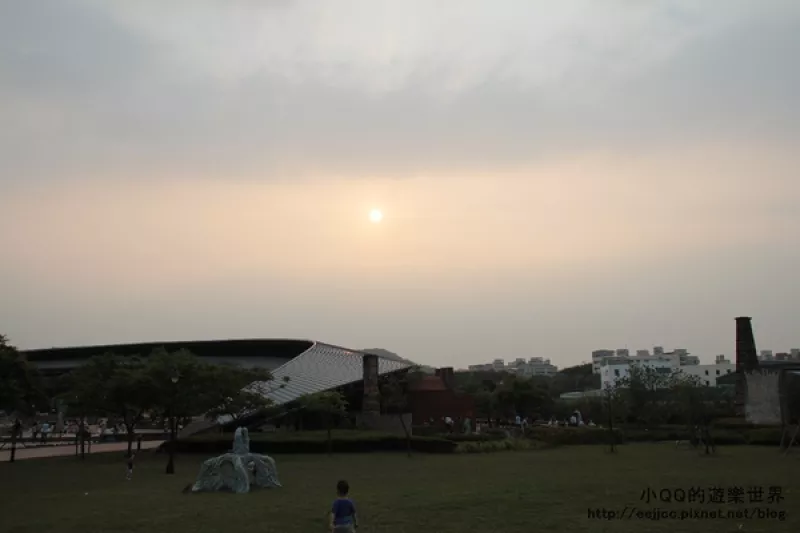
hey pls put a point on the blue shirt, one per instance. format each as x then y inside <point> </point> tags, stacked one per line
<point>343,511</point>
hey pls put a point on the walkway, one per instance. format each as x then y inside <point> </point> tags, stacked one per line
<point>66,450</point>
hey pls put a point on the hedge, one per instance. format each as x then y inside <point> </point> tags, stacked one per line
<point>568,435</point>
<point>720,436</point>
<point>489,446</point>
<point>535,437</point>
<point>475,437</point>
<point>310,444</point>
<point>487,434</point>
<point>559,436</point>
<point>765,436</point>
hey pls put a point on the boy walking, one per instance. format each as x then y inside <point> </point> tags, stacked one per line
<point>343,518</point>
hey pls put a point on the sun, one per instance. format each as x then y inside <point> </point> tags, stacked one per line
<point>375,216</point>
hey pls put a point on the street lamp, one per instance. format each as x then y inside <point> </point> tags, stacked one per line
<point>172,425</point>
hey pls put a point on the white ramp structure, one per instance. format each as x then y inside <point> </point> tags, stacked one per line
<point>319,368</point>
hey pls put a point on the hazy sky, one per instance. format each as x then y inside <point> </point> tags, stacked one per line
<point>556,177</point>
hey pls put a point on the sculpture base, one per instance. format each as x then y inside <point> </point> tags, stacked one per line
<point>237,473</point>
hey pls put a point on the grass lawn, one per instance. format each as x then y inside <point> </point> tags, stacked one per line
<point>545,490</point>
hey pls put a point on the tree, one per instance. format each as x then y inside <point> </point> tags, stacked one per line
<point>614,404</point>
<point>485,403</point>
<point>688,398</point>
<point>331,405</point>
<point>643,389</point>
<point>114,386</point>
<point>394,398</point>
<point>236,392</point>
<point>20,388</point>
<point>185,387</point>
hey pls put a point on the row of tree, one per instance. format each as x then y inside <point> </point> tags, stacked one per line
<point>162,387</point>
<point>645,397</point>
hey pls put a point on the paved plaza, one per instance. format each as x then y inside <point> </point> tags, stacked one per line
<point>69,449</point>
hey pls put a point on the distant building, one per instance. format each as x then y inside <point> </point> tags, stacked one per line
<point>683,356</point>
<point>615,369</point>
<point>597,359</point>
<point>792,355</point>
<point>434,397</point>
<point>708,374</point>
<point>535,366</point>
<point>487,367</point>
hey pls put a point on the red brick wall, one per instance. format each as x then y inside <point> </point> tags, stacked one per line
<point>437,404</point>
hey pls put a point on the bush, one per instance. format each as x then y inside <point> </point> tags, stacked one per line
<point>765,437</point>
<point>737,423</point>
<point>480,437</point>
<point>490,446</point>
<point>559,436</point>
<point>300,443</point>
<point>719,436</point>
<point>496,433</point>
<point>658,434</point>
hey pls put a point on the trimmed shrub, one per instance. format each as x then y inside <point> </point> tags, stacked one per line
<point>559,436</point>
<point>765,437</point>
<point>490,446</point>
<point>720,436</point>
<point>313,444</point>
<point>480,437</point>
<point>497,433</point>
<point>738,424</point>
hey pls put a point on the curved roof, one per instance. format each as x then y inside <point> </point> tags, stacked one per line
<point>234,348</point>
<point>310,366</point>
<point>325,367</point>
<point>261,353</point>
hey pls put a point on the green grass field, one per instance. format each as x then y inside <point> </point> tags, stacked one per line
<point>545,490</point>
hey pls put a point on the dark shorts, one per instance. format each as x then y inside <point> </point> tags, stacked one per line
<point>344,529</point>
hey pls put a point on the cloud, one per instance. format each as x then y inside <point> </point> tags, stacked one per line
<point>569,161</point>
<point>376,89</point>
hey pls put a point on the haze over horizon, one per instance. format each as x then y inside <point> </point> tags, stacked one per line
<point>554,178</point>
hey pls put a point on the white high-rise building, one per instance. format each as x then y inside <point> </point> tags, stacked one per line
<point>597,359</point>
<point>681,354</point>
<point>616,368</point>
<point>535,366</point>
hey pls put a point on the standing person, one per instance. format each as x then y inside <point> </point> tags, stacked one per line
<point>45,431</point>
<point>129,461</point>
<point>343,518</point>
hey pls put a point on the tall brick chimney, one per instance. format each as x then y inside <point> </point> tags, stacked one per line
<point>746,359</point>
<point>371,407</point>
